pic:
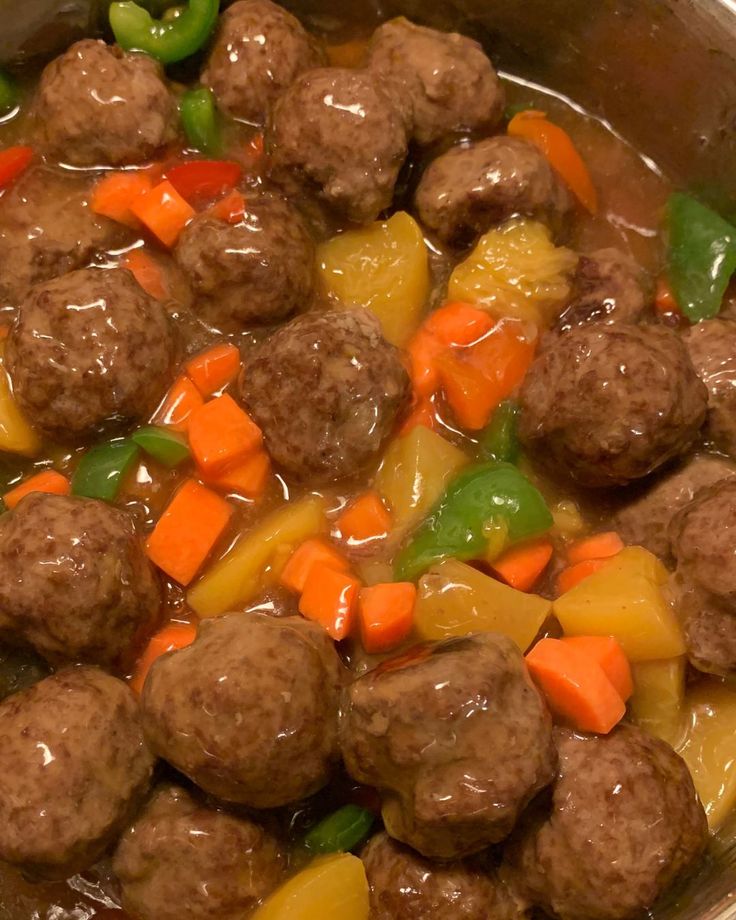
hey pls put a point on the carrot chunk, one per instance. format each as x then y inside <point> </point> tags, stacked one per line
<point>182,400</point>
<point>308,555</point>
<point>574,574</point>
<point>329,598</point>
<point>163,211</point>
<point>47,481</point>
<point>521,566</point>
<point>187,531</point>
<point>171,637</point>
<point>248,478</point>
<point>222,435</point>
<point>609,654</point>
<point>114,195</point>
<point>213,369</point>
<point>229,209</point>
<point>423,413</point>
<point>386,615</point>
<point>599,546</point>
<point>148,273</point>
<point>13,162</point>
<point>364,519</point>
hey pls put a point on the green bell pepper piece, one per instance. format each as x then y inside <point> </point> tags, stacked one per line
<point>8,94</point>
<point>168,41</point>
<point>199,119</point>
<point>101,470</point>
<point>341,831</point>
<point>498,440</point>
<point>469,513</point>
<point>701,256</point>
<point>163,445</point>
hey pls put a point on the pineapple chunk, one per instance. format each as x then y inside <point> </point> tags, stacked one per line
<point>330,888</point>
<point>16,435</point>
<point>659,695</point>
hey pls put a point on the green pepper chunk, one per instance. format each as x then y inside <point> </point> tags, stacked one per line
<point>199,118</point>
<point>341,831</point>
<point>163,445</point>
<point>469,513</point>
<point>168,41</point>
<point>498,440</point>
<point>8,94</point>
<point>101,470</point>
<point>701,256</point>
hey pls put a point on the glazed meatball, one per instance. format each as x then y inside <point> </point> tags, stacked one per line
<point>326,390</point>
<point>249,711</point>
<point>257,271</point>
<point>608,287</point>
<point>75,766</point>
<point>75,582</point>
<point>471,188</point>
<point>712,347</point>
<point>100,106</point>
<point>336,132</point>
<point>609,404</point>
<point>404,886</point>
<point>625,822</point>
<point>88,349</point>
<point>449,82</point>
<point>259,50</point>
<point>182,852</point>
<point>457,740</point>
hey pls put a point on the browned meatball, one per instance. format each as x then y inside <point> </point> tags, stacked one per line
<point>625,822</point>
<point>712,347</point>
<point>326,390</point>
<point>471,188</point>
<point>336,132</point>
<point>182,852</point>
<point>448,81</point>
<point>75,581</point>
<point>100,106</point>
<point>249,710</point>
<point>74,765</point>
<point>259,50</point>
<point>88,349</point>
<point>456,738</point>
<point>609,404</point>
<point>404,886</point>
<point>257,271</point>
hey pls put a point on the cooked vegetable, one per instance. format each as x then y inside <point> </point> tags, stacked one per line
<point>222,435</point>
<point>148,273</point>
<point>168,40</point>
<point>574,574</point>
<point>624,599</point>
<point>599,546</point>
<point>659,695</point>
<point>422,413</point>
<point>386,615</point>
<point>46,481</point>
<point>114,195</point>
<point>522,566</point>
<point>101,470</point>
<point>607,652</point>
<point>168,448</point>
<point>341,831</point>
<point>498,440</point>
<point>701,256</point>
<point>213,369</point>
<point>364,519</point>
<point>8,94</point>
<point>181,402</point>
<point>199,181</point>
<point>199,119</point>
<point>330,598</point>
<point>13,162</point>
<point>311,554</point>
<point>455,600</point>
<point>231,208</point>
<point>459,523</point>
<point>173,636</point>
<point>163,211</point>
<point>16,435</point>
<point>384,267</point>
<point>187,531</point>
<point>248,478</point>
<point>664,300</point>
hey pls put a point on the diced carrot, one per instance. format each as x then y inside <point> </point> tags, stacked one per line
<point>521,566</point>
<point>222,435</point>
<point>200,181</point>
<point>308,555</point>
<point>47,481</point>
<point>114,195</point>
<point>423,350</point>
<point>163,211</point>
<point>148,273</point>
<point>213,369</point>
<point>599,546</point>
<point>181,402</point>
<point>423,413</point>
<point>386,615</point>
<point>468,391</point>
<point>187,531</point>
<point>171,637</point>
<point>556,145</point>
<point>364,519</point>
<point>230,209</point>
<point>575,686</point>
<point>329,598</point>
<point>664,299</point>
<point>458,323</point>
<point>610,656</point>
<point>574,574</point>
<point>248,478</point>
<point>13,162</point>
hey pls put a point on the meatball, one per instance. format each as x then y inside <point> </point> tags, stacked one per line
<point>100,106</point>
<point>88,349</point>
<point>455,737</point>
<point>609,404</point>
<point>326,390</point>
<point>449,82</point>
<point>609,287</point>
<point>712,348</point>
<point>471,188</point>
<point>337,133</point>
<point>258,271</point>
<point>625,822</point>
<point>75,766</point>
<point>259,50</point>
<point>75,582</point>
<point>249,710</point>
<point>182,852</point>
<point>404,886</point>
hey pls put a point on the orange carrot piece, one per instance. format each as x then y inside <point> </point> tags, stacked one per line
<point>423,413</point>
<point>468,391</point>
<point>163,211</point>
<point>599,546</point>
<point>574,574</point>
<point>230,209</point>
<point>213,369</point>
<point>386,615</point>
<point>365,518</point>
<point>330,598</point>
<point>148,273</point>
<point>187,531</point>
<point>664,299</point>
<point>48,481</point>
<point>248,478</point>
<point>308,555</point>
<point>575,686</point>
<point>521,566</point>
<point>563,156</point>
<point>114,195</point>
<point>424,349</point>
<point>181,402</point>
<point>610,656</point>
<point>171,637</point>
<point>222,435</point>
